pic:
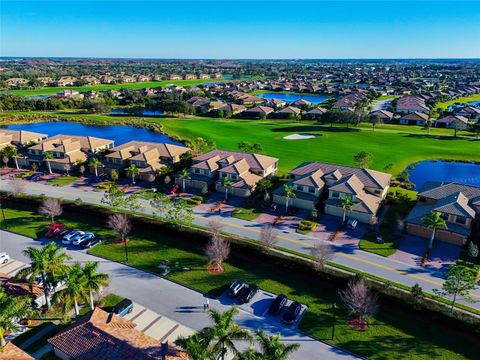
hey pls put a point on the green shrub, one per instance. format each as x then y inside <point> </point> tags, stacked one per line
<point>306,226</point>
<point>195,200</point>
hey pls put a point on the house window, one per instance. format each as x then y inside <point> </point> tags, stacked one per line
<point>311,190</point>
<point>234,177</point>
<point>335,194</point>
<point>444,216</point>
<point>461,220</point>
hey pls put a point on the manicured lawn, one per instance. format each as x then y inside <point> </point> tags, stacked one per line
<point>103,87</point>
<point>392,335</point>
<point>63,180</point>
<point>400,203</point>
<point>246,213</point>
<point>466,99</point>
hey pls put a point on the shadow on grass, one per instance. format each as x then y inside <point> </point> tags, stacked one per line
<point>311,128</point>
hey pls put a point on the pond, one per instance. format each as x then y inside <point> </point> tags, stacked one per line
<point>119,133</point>
<point>292,97</point>
<point>446,171</point>
<point>122,111</point>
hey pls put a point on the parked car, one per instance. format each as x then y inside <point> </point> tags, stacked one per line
<point>277,304</point>
<point>292,313</point>
<point>35,176</point>
<point>67,239</point>
<point>55,230</point>
<point>248,292</point>
<point>352,224</point>
<point>236,287</point>
<point>85,237</point>
<point>123,307</point>
<point>92,242</point>
<point>4,258</point>
<point>100,178</point>
<point>63,233</point>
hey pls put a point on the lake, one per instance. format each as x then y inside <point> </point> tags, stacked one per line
<point>291,97</point>
<point>119,133</point>
<point>459,172</point>
<point>122,111</point>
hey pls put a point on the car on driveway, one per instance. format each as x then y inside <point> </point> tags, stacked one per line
<point>277,305</point>
<point>123,307</point>
<point>67,239</point>
<point>248,292</point>
<point>236,287</point>
<point>4,258</point>
<point>85,237</point>
<point>292,313</point>
<point>63,233</point>
<point>92,242</point>
<point>35,176</point>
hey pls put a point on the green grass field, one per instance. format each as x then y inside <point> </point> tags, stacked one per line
<point>393,334</point>
<point>63,180</point>
<point>466,99</point>
<point>103,87</point>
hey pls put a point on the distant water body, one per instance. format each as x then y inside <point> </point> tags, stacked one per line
<point>290,98</point>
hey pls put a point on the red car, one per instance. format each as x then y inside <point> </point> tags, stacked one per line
<point>55,229</point>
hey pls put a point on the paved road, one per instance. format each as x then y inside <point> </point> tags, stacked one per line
<point>179,303</point>
<point>393,270</point>
<point>381,104</point>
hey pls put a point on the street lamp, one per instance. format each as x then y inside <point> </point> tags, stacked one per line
<point>334,306</point>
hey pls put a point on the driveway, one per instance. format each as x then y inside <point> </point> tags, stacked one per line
<point>179,304</point>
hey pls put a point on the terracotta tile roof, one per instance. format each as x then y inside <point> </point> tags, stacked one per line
<point>144,151</point>
<point>12,352</point>
<point>19,288</point>
<point>22,136</point>
<point>415,116</point>
<point>255,161</point>
<point>104,336</point>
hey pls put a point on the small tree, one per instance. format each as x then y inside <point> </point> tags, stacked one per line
<point>346,203</point>
<point>114,175</point>
<point>472,250</point>
<point>363,159</point>
<point>184,175</point>
<point>458,282</point>
<point>434,221</point>
<point>17,186</point>
<point>227,184</point>
<point>47,157</point>
<point>133,171</point>
<point>217,251</point>
<point>95,163</point>
<point>321,254</point>
<point>121,224</point>
<point>359,300</point>
<point>264,185</point>
<point>50,208</point>
<point>374,120</point>
<point>268,237</point>
<point>417,295</point>
<point>117,198</point>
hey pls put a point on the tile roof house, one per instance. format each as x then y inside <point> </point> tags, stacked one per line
<point>458,204</point>
<point>104,336</point>
<point>468,111</point>
<point>414,118</point>
<point>148,157</point>
<point>19,138</point>
<point>452,121</point>
<point>315,113</point>
<point>301,103</point>
<point>288,112</point>
<point>385,115</point>
<point>258,112</point>
<point>67,150</point>
<point>313,181</point>
<point>233,108</point>
<point>12,352</point>
<point>275,103</point>
<point>349,101</point>
<point>243,169</point>
<point>409,104</point>
<point>17,287</point>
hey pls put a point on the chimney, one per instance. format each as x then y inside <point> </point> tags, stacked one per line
<point>164,350</point>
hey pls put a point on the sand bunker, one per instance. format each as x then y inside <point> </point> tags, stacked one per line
<point>300,136</point>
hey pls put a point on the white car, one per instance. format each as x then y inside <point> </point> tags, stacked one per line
<point>85,237</point>
<point>72,236</point>
<point>4,258</point>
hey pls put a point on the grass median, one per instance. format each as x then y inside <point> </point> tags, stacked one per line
<point>393,334</point>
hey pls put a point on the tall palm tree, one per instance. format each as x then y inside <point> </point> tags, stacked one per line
<point>227,184</point>
<point>197,346</point>
<point>11,310</point>
<point>48,263</point>
<point>133,171</point>
<point>224,332</point>
<point>346,203</point>
<point>74,290</point>
<point>184,174</point>
<point>95,163</point>
<point>272,348</point>
<point>434,221</point>
<point>47,157</point>
<point>94,280</point>
<point>289,194</point>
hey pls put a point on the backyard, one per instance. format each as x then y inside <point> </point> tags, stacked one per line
<point>393,334</point>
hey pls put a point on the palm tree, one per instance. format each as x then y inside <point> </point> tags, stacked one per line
<point>133,171</point>
<point>94,280</point>
<point>197,346</point>
<point>47,156</point>
<point>224,332</point>
<point>346,204</point>
<point>227,183</point>
<point>95,163</point>
<point>11,310</point>
<point>48,263</point>
<point>74,290</point>
<point>264,185</point>
<point>10,151</point>
<point>272,348</point>
<point>289,194</point>
<point>434,221</point>
<point>184,174</point>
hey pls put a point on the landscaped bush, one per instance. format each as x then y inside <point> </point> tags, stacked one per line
<point>195,200</point>
<point>306,226</point>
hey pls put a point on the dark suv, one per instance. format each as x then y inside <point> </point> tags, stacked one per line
<point>248,292</point>
<point>277,304</point>
<point>291,313</point>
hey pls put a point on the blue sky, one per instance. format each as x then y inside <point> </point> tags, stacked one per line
<point>241,29</point>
